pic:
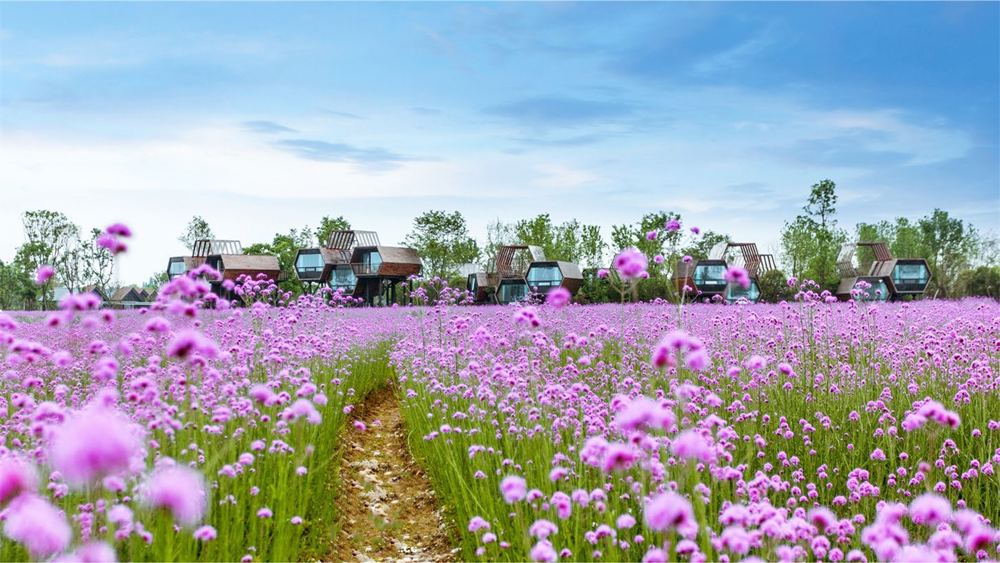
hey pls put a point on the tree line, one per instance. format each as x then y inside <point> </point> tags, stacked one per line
<point>963,260</point>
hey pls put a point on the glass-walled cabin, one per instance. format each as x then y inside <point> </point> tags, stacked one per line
<point>735,291</point>
<point>309,264</point>
<point>879,290</point>
<point>543,277</point>
<point>343,278</point>
<point>911,276</point>
<point>511,290</point>
<point>176,268</point>
<point>369,263</point>
<point>710,276</point>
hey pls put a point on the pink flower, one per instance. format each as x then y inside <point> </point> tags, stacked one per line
<point>603,273</point>
<point>179,490</point>
<point>94,443</point>
<point>630,263</point>
<point>559,297</point>
<point>696,230</point>
<point>478,523</point>
<point>93,552</point>
<point>669,511</point>
<point>40,526</point>
<point>205,533</point>
<point>16,477</point>
<point>542,529</point>
<point>672,225</point>
<point>191,342</point>
<point>930,509</point>
<point>651,235</point>
<point>360,425</point>
<point>543,552</point>
<point>514,488</point>
<point>739,275</point>
<point>118,229</point>
<point>691,444</point>
<point>44,274</point>
<point>264,513</point>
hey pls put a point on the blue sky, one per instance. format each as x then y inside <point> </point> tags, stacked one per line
<point>264,116</point>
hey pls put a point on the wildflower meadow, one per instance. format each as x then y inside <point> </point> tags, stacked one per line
<point>202,429</point>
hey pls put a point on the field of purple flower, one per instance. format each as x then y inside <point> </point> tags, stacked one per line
<point>799,431</point>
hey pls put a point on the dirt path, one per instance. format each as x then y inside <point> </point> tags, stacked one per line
<point>387,505</point>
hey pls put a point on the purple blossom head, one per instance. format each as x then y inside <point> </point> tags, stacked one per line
<point>559,297</point>
<point>92,552</point>
<point>16,477</point>
<point>696,230</point>
<point>119,230</point>
<point>40,526</point>
<point>94,443</point>
<point>543,552</point>
<point>602,273</point>
<point>205,533</point>
<point>514,488</point>
<point>630,263</point>
<point>738,275</point>
<point>44,274</point>
<point>668,511</point>
<point>190,342</point>
<point>930,509</point>
<point>179,490</point>
<point>672,225</point>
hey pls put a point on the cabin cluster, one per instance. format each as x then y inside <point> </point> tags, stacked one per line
<point>886,279</point>
<point>356,264</point>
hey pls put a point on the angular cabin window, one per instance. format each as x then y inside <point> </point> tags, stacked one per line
<point>371,261</point>
<point>878,291</point>
<point>472,284</point>
<point>511,292</point>
<point>544,277</point>
<point>343,276</point>
<point>309,264</point>
<point>710,276</point>
<point>912,273</point>
<point>176,269</point>
<point>735,291</point>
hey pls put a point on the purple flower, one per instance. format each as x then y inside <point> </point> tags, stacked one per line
<point>16,477</point>
<point>191,342</point>
<point>264,513</point>
<point>542,529</point>
<point>543,552</point>
<point>603,273</point>
<point>630,263</point>
<point>672,225</point>
<point>559,297</point>
<point>205,533</point>
<point>118,229</point>
<point>669,511</point>
<point>696,230</point>
<point>739,275</point>
<point>93,552</point>
<point>651,235</point>
<point>94,443</point>
<point>514,488</point>
<point>930,509</point>
<point>180,490</point>
<point>44,274</point>
<point>40,526</point>
<point>478,523</point>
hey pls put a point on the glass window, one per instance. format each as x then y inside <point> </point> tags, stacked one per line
<point>512,291</point>
<point>472,284</point>
<point>371,261</point>
<point>343,276</point>
<point>878,290</point>
<point>910,273</point>
<point>544,276</point>
<point>309,263</point>
<point>710,276</point>
<point>176,268</point>
<point>735,291</point>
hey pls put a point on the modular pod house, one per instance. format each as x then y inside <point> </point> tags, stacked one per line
<point>701,279</point>
<point>506,281</point>
<point>379,269</point>
<point>226,257</point>
<point>330,266</point>
<point>544,276</point>
<point>887,278</point>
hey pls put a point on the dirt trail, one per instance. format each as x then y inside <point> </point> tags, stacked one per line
<point>386,504</point>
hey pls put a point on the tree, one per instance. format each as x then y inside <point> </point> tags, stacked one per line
<point>498,234</point>
<point>329,224</point>
<point>99,262</point>
<point>15,285</point>
<point>443,241</point>
<point>798,244</point>
<point>285,247</point>
<point>72,267</point>
<point>592,247</point>
<point>197,229</point>
<point>774,287</point>
<point>47,237</point>
<point>699,248</point>
<point>625,236</point>
<point>821,209</point>
<point>950,245</point>
<point>984,281</point>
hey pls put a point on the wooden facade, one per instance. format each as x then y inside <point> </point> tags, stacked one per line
<point>900,277</point>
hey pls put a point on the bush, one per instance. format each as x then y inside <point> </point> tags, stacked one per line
<point>984,281</point>
<point>774,287</point>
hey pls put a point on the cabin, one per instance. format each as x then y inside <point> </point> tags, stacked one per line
<point>226,257</point>
<point>544,276</point>
<point>330,266</point>
<point>128,297</point>
<point>505,281</point>
<point>890,278</point>
<point>701,279</point>
<point>379,269</point>
<point>202,249</point>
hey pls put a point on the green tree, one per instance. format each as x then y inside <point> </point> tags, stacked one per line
<point>443,241</point>
<point>700,247</point>
<point>625,236</point>
<point>950,245</point>
<point>774,287</point>
<point>983,281</point>
<point>15,285</point>
<point>285,247</point>
<point>99,263</point>
<point>329,224</point>
<point>48,235</point>
<point>821,208</point>
<point>798,244</point>
<point>197,229</point>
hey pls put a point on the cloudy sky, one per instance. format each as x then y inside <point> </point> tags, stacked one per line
<point>264,116</point>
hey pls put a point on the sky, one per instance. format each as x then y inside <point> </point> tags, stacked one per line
<point>262,117</point>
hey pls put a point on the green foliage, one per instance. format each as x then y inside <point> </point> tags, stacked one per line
<point>197,229</point>
<point>285,247</point>
<point>329,224</point>
<point>984,281</point>
<point>443,241</point>
<point>950,245</point>
<point>810,244</point>
<point>774,287</point>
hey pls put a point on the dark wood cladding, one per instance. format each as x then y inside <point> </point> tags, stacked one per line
<point>396,262</point>
<point>232,266</point>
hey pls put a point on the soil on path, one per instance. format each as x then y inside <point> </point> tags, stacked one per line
<point>386,503</point>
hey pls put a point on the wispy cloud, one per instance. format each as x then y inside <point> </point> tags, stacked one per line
<point>266,127</point>
<point>373,157</point>
<point>344,114</point>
